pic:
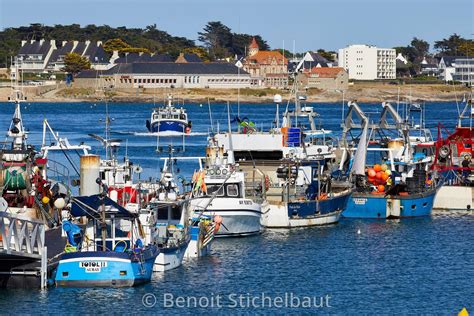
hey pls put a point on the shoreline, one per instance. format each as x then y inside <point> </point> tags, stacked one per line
<point>362,92</point>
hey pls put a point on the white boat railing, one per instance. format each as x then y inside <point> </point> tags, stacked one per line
<point>21,236</point>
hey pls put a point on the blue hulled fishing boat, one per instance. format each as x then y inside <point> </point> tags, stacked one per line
<point>169,119</point>
<point>401,186</point>
<point>108,251</point>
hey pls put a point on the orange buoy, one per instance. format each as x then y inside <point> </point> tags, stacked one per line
<point>381,188</point>
<point>385,177</point>
<point>377,167</point>
<point>371,179</point>
<point>378,176</point>
<point>371,173</point>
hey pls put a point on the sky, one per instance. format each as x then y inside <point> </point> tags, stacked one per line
<point>300,24</point>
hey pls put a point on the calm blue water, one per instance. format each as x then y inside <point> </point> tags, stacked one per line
<point>391,267</point>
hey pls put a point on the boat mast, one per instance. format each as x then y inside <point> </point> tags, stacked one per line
<point>230,152</point>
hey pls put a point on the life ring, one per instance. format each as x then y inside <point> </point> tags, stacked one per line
<point>267,183</point>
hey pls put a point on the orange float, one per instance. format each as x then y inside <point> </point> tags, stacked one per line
<point>377,167</point>
<point>371,173</point>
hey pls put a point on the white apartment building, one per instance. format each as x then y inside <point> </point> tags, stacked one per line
<point>364,62</point>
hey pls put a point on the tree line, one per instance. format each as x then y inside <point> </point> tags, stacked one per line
<point>215,41</point>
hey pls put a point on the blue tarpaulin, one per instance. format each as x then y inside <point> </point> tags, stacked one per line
<point>91,207</point>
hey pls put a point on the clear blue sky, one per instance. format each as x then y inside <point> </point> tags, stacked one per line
<point>312,24</point>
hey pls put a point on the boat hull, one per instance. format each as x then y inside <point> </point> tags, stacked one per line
<point>304,213</point>
<point>455,198</point>
<point>240,217</point>
<point>104,269</point>
<point>169,259</point>
<point>169,126</point>
<point>366,205</point>
<point>195,248</point>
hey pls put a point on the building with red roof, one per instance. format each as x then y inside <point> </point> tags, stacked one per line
<point>268,68</point>
<point>325,78</point>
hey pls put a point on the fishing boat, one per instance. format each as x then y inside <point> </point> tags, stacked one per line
<point>169,118</point>
<point>34,191</point>
<point>166,221</point>
<point>453,160</point>
<point>401,185</point>
<point>220,191</point>
<point>298,135</point>
<point>109,251</point>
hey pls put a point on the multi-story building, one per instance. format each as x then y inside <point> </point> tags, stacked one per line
<point>364,62</point>
<point>268,68</point>
<point>47,56</point>
<point>464,70</point>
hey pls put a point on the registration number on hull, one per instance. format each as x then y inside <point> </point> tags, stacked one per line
<point>93,266</point>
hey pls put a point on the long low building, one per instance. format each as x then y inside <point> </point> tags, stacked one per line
<point>169,75</point>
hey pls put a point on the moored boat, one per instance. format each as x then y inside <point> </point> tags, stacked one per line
<point>109,251</point>
<point>401,186</point>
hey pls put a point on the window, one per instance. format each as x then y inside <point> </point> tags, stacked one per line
<point>233,190</point>
<point>212,189</point>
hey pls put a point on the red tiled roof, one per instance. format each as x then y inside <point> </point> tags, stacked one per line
<point>326,72</point>
<point>266,57</point>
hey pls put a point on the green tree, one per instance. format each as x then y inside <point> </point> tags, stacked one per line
<point>329,55</point>
<point>75,63</point>
<point>240,43</point>
<point>217,38</point>
<point>450,45</point>
<point>115,44</point>
<point>466,48</point>
<point>421,47</point>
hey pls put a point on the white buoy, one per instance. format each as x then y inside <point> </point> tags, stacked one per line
<point>358,231</point>
<point>60,203</point>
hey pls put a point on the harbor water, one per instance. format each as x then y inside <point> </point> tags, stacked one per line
<point>421,265</point>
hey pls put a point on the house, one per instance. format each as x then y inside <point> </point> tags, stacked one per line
<point>218,75</point>
<point>47,56</point>
<point>447,67</point>
<point>325,78</point>
<point>33,56</point>
<point>267,68</point>
<point>429,68</point>
<point>364,62</point>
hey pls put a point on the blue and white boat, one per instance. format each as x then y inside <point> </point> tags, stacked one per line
<point>108,251</point>
<point>303,193</point>
<point>410,189</point>
<point>169,119</point>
